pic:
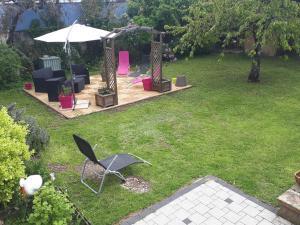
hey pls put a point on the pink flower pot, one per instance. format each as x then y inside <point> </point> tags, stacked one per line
<point>28,86</point>
<point>147,83</point>
<point>66,102</point>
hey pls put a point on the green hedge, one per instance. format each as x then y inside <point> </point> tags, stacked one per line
<point>10,66</point>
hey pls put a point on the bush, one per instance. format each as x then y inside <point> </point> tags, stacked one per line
<point>10,65</point>
<point>37,137</point>
<point>13,153</point>
<point>36,166</point>
<point>18,209</point>
<point>27,65</point>
<point>51,207</point>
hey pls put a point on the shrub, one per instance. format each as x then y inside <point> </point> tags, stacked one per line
<point>37,137</point>
<point>10,65</point>
<point>36,166</point>
<point>51,207</point>
<point>18,209</point>
<point>13,153</point>
<point>27,65</point>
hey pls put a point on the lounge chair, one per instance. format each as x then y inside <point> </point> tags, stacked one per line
<point>111,165</point>
<point>123,68</point>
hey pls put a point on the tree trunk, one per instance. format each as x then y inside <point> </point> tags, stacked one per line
<point>12,29</point>
<point>255,70</point>
<point>256,61</point>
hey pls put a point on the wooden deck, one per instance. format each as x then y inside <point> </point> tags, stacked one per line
<point>128,94</point>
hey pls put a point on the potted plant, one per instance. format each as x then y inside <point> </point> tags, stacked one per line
<point>66,98</point>
<point>147,83</point>
<point>105,97</point>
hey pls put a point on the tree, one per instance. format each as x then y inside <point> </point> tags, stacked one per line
<point>14,9</point>
<point>50,14</point>
<point>50,19</point>
<point>91,11</point>
<point>101,14</point>
<point>10,66</point>
<point>158,13</point>
<point>222,21</point>
<point>12,12</point>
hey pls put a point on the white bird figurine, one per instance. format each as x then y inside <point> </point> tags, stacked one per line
<point>31,185</point>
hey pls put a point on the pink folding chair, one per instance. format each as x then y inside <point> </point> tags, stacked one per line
<point>123,68</point>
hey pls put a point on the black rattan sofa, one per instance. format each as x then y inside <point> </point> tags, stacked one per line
<point>41,76</point>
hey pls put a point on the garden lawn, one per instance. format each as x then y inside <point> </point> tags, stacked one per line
<point>247,134</point>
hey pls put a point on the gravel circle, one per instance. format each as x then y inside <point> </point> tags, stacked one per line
<point>136,184</point>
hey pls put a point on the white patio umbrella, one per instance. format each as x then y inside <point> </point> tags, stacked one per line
<point>74,33</point>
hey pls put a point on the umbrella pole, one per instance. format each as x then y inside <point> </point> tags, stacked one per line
<point>68,48</point>
<point>71,71</point>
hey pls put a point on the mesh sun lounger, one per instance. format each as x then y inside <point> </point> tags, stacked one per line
<point>111,164</point>
<point>123,68</point>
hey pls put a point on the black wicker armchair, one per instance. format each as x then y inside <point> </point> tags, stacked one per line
<point>41,76</point>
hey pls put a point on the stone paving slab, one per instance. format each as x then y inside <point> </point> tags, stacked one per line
<point>208,201</point>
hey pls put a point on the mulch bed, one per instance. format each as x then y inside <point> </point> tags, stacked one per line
<point>136,184</point>
<point>132,183</point>
<point>57,168</point>
<point>90,170</point>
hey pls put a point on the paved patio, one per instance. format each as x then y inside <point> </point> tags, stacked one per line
<point>208,201</point>
<point>128,94</point>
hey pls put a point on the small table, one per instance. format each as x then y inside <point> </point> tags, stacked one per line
<point>53,86</point>
<point>78,84</point>
<point>85,77</point>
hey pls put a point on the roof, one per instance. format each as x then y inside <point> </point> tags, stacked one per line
<point>26,19</point>
<point>69,13</point>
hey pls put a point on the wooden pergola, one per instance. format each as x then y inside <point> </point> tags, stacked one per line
<point>159,84</point>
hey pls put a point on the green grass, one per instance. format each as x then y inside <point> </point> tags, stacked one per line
<point>247,134</point>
